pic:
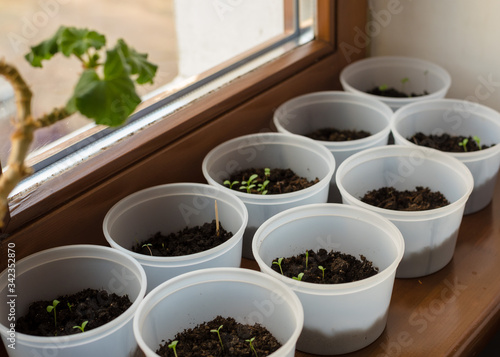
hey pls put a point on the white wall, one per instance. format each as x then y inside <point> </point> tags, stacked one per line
<point>463,36</point>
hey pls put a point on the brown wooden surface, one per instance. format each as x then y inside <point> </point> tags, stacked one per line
<point>453,312</point>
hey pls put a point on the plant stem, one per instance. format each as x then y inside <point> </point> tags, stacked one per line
<point>22,137</point>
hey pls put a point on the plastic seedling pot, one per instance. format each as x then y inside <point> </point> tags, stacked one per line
<point>339,318</point>
<point>306,157</point>
<point>170,208</point>
<point>340,110</point>
<point>430,236</point>
<point>67,270</point>
<point>458,117</point>
<point>194,298</point>
<point>363,75</point>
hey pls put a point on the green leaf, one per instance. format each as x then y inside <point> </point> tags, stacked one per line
<point>116,65</point>
<point>78,41</point>
<point>109,101</point>
<point>138,63</point>
<point>45,49</point>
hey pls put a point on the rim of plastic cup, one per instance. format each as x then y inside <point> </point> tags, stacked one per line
<point>395,151</point>
<point>485,112</point>
<point>210,275</point>
<point>273,139</point>
<point>399,61</point>
<point>354,99</point>
<point>349,212</point>
<point>182,260</point>
<point>74,251</point>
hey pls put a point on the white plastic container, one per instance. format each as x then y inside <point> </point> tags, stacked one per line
<point>365,74</point>
<point>339,318</point>
<point>458,117</point>
<point>194,298</point>
<point>340,110</point>
<point>168,209</point>
<point>306,157</point>
<point>68,270</point>
<point>430,236</point>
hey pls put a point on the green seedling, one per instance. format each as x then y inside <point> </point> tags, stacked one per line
<point>52,308</point>
<point>173,345</point>
<point>278,263</point>
<point>262,187</point>
<point>82,327</point>
<point>249,184</point>
<point>463,144</point>
<point>230,184</point>
<point>251,346</point>
<point>383,87</point>
<point>267,172</point>
<point>322,270</point>
<point>148,245</point>
<point>403,82</point>
<point>307,258</point>
<point>298,277</point>
<point>69,306</point>
<point>218,334</point>
<point>478,141</point>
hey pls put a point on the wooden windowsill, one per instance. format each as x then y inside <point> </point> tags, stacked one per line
<point>453,312</point>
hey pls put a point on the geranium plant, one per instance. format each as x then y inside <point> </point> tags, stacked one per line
<point>105,92</point>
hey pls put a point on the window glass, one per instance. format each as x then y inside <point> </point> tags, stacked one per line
<point>190,41</point>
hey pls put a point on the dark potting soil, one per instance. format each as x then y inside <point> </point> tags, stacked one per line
<point>338,267</point>
<point>392,92</point>
<point>446,142</point>
<point>420,199</point>
<point>333,134</point>
<point>280,181</point>
<point>98,307</point>
<point>201,341</point>
<point>189,240</point>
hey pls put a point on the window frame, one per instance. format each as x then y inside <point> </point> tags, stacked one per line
<point>38,212</point>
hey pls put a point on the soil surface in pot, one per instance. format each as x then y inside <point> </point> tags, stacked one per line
<point>333,134</point>
<point>279,181</point>
<point>420,199</point>
<point>187,241</point>
<point>394,93</point>
<point>324,267</point>
<point>203,340</point>
<point>98,307</point>
<point>447,142</point>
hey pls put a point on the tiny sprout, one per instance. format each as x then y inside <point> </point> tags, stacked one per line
<point>464,144</point>
<point>230,184</point>
<point>322,270</point>
<point>69,306</point>
<point>82,327</point>
<point>148,245</point>
<point>267,172</point>
<point>251,346</point>
<point>51,308</point>
<point>262,187</point>
<point>298,277</point>
<point>248,185</point>
<point>173,345</point>
<point>404,80</point>
<point>218,334</point>
<point>278,263</point>
<point>307,257</point>
<point>478,141</point>
<point>383,87</point>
